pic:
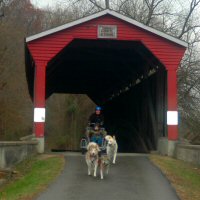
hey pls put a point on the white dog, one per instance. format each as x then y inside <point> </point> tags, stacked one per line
<point>111,148</point>
<point>92,158</point>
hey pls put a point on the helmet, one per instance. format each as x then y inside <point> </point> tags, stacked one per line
<point>98,108</point>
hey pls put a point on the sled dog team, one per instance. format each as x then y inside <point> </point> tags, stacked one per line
<point>93,159</point>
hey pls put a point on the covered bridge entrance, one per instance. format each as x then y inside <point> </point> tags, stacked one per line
<point>123,65</point>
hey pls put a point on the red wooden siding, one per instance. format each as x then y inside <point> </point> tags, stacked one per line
<point>39,87</point>
<point>169,53</point>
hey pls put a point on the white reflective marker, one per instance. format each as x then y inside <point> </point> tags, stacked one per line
<point>39,114</point>
<point>172,118</point>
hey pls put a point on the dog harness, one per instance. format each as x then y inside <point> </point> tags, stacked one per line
<point>93,158</point>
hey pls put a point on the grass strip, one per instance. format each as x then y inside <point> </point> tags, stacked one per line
<point>33,176</point>
<point>184,177</point>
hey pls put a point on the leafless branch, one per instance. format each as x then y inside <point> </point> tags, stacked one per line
<point>193,5</point>
<point>96,4</point>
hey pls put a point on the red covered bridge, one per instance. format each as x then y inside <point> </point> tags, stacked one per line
<point>121,64</point>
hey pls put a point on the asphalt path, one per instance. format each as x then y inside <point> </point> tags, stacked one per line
<point>133,177</point>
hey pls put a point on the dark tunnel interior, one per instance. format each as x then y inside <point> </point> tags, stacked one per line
<point>124,77</point>
<point>137,118</point>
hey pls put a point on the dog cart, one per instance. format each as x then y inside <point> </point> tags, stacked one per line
<point>92,136</point>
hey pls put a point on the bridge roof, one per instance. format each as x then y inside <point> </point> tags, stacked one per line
<point>102,13</point>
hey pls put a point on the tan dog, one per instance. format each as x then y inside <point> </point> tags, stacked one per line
<point>92,157</point>
<point>111,148</point>
<point>104,164</point>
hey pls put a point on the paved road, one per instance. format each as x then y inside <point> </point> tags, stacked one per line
<point>132,178</point>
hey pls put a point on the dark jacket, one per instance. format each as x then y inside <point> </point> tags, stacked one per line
<point>94,118</point>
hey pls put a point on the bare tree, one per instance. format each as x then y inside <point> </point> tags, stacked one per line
<point>186,25</point>
<point>15,109</point>
<point>152,5</point>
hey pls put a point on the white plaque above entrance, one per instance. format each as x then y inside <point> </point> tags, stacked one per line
<point>107,31</point>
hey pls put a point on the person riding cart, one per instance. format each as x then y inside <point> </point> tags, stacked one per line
<point>95,131</point>
<point>96,118</point>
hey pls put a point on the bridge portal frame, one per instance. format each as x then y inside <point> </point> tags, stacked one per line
<point>42,48</point>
